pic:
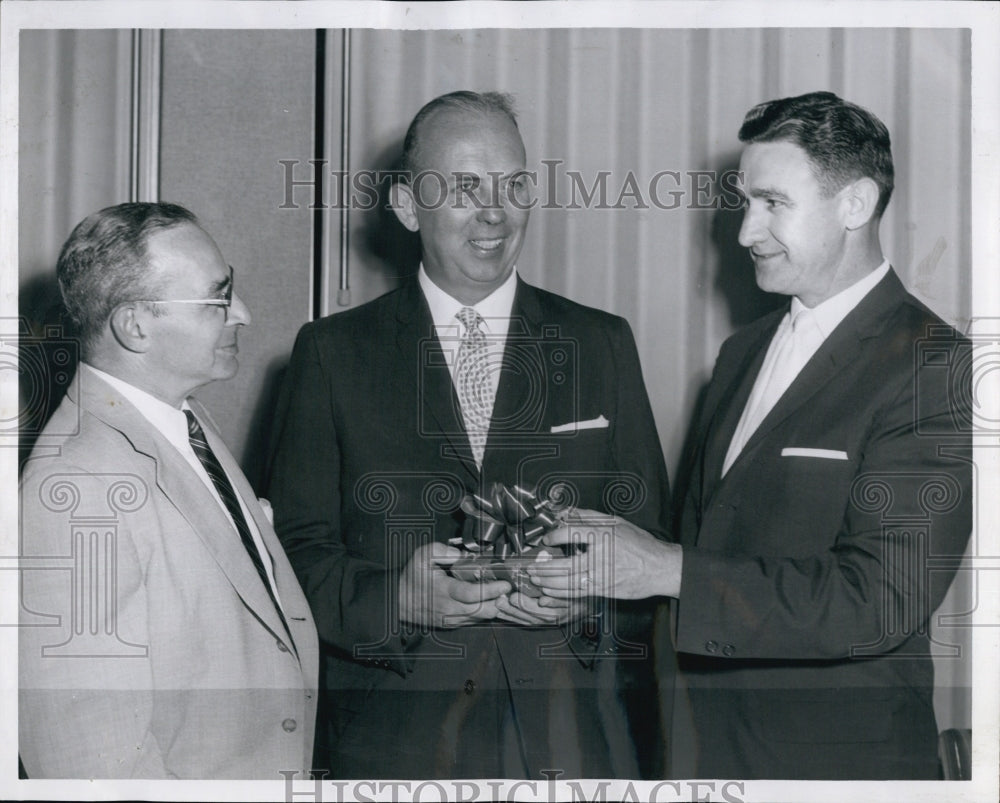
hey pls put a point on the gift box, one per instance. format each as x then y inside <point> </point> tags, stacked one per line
<point>502,535</point>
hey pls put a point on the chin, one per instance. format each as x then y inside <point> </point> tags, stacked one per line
<point>489,274</point>
<point>226,369</point>
<point>769,283</point>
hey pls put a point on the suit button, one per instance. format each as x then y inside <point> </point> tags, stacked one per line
<point>711,646</point>
<point>281,646</point>
<point>289,725</point>
<point>470,686</point>
<point>728,650</point>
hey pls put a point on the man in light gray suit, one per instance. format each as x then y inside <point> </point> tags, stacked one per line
<point>164,634</point>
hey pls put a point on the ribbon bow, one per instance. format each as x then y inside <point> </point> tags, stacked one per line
<point>507,521</point>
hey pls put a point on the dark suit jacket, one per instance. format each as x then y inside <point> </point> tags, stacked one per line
<point>372,460</point>
<point>808,580</point>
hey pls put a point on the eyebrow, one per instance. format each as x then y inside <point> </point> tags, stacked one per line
<point>459,174</point>
<point>768,192</point>
<point>221,285</point>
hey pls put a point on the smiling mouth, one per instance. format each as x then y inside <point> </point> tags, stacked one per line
<point>757,255</point>
<point>487,246</point>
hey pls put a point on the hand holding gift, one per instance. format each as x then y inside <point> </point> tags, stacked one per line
<point>500,540</point>
<point>428,596</point>
<point>502,536</point>
<point>619,560</point>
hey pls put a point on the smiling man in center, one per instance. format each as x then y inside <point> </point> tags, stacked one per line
<point>463,377</point>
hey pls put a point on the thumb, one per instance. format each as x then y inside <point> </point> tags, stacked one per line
<point>567,534</point>
<point>443,554</point>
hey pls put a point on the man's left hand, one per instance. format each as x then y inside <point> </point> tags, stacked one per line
<point>619,561</point>
<point>524,609</point>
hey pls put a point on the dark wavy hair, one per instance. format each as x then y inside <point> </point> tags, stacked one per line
<point>843,141</point>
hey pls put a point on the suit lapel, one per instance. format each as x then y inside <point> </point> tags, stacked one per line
<point>421,360</point>
<point>733,395</point>
<point>518,380</point>
<point>264,528</point>
<point>838,351</point>
<point>188,494</point>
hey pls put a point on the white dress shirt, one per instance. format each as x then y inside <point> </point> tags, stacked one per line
<point>172,424</point>
<point>819,323</point>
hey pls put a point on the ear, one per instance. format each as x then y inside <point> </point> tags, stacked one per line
<point>404,205</point>
<point>128,325</point>
<point>860,198</point>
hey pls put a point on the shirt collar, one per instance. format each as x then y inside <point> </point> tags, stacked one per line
<point>495,308</point>
<point>832,311</point>
<point>169,421</point>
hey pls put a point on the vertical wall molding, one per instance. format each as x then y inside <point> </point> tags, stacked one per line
<point>344,290</point>
<point>334,240</point>
<point>147,77</point>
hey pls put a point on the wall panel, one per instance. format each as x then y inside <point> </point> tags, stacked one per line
<point>225,128</point>
<point>73,141</point>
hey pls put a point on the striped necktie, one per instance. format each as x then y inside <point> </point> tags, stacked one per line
<point>196,436</point>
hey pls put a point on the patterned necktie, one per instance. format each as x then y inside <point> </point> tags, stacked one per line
<point>472,382</point>
<point>213,468</point>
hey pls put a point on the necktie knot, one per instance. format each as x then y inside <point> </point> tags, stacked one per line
<point>194,428</point>
<point>803,319</point>
<point>470,319</point>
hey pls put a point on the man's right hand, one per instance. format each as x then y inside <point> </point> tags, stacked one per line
<point>429,596</point>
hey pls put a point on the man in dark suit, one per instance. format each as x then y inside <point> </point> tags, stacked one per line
<point>388,419</point>
<point>830,496</point>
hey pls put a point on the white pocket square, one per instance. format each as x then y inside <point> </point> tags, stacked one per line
<point>823,454</point>
<point>594,423</point>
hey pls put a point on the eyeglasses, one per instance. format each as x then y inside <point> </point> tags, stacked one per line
<point>226,301</point>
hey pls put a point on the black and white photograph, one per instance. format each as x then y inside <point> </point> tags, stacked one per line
<point>550,401</point>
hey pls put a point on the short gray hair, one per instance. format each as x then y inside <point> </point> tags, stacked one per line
<point>104,264</point>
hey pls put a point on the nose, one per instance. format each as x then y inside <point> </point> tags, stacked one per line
<point>239,313</point>
<point>751,230</point>
<point>492,214</point>
<point>491,204</point>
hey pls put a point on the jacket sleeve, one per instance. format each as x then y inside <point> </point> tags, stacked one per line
<point>635,441</point>
<point>349,595</point>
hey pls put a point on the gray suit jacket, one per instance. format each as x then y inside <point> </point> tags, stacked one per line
<point>149,647</point>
